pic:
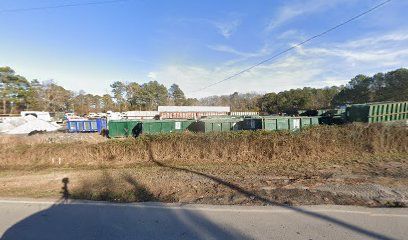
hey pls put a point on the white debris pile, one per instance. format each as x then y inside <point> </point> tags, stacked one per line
<point>26,125</point>
<point>5,126</point>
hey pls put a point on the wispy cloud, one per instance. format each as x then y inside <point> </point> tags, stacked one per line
<point>330,64</point>
<point>379,39</point>
<point>291,72</point>
<point>295,9</point>
<point>265,50</point>
<point>289,34</point>
<point>152,75</point>
<point>227,28</point>
<point>362,56</point>
<point>387,49</point>
<point>240,56</point>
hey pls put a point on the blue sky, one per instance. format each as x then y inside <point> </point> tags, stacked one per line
<point>196,43</point>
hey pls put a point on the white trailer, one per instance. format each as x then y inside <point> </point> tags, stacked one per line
<point>140,114</point>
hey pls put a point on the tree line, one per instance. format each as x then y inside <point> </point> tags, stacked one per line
<point>17,94</point>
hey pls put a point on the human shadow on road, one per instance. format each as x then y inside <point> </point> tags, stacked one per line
<point>265,200</point>
<point>70,219</point>
<point>65,192</point>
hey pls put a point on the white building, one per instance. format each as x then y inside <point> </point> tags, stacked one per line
<point>191,112</point>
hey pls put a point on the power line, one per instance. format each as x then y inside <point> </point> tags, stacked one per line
<point>61,6</point>
<point>295,46</point>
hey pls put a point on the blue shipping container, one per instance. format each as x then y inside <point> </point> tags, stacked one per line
<point>95,125</point>
<point>102,123</point>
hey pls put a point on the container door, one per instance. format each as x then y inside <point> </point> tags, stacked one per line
<point>296,123</point>
<point>94,126</point>
<point>80,126</point>
<point>165,127</point>
<point>304,122</point>
<point>282,123</point>
<point>122,129</point>
<point>73,126</point>
<point>225,127</point>
<point>253,123</point>
<point>217,127</point>
<point>112,129</point>
<point>270,124</point>
<point>87,127</point>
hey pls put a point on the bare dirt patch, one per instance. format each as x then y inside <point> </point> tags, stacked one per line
<point>213,184</point>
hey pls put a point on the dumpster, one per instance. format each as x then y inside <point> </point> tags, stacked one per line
<point>101,124</point>
<point>377,112</point>
<point>127,128</point>
<point>165,126</point>
<point>216,125</point>
<point>95,125</point>
<point>273,123</point>
<point>120,128</point>
<point>308,121</point>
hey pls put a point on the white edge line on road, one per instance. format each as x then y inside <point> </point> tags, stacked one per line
<point>211,209</point>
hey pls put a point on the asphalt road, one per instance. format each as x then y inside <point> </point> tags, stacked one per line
<point>95,220</point>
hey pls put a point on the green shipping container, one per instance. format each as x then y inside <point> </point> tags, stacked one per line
<point>165,126</point>
<point>377,112</point>
<point>127,128</point>
<point>308,121</point>
<point>216,125</point>
<point>120,128</point>
<point>273,123</point>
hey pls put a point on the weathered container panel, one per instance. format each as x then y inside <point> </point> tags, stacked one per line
<point>119,128</point>
<point>216,125</point>
<point>272,123</point>
<point>126,128</point>
<point>377,112</point>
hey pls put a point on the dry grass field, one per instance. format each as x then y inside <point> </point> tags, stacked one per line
<point>354,164</point>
